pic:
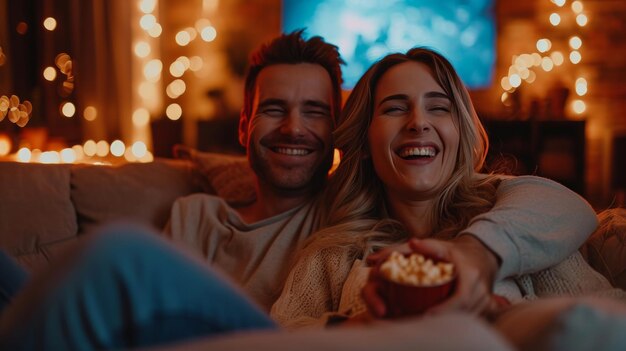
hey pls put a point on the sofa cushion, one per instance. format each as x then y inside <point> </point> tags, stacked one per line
<point>35,206</point>
<point>228,176</point>
<point>142,192</point>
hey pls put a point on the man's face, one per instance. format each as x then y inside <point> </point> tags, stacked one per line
<point>289,133</point>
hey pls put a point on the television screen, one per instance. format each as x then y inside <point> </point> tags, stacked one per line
<point>366,30</point>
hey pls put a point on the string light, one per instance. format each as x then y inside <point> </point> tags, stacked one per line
<point>522,67</point>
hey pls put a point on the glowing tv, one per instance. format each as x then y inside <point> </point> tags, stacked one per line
<point>365,30</point>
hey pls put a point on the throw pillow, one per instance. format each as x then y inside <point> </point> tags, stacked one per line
<point>228,176</point>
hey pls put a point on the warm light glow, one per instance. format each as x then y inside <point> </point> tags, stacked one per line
<point>102,148</point>
<point>577,7</point>
<point>68,155</point>
<point>555,19</point>
<point>68,109</point>
<point>147,22</point>
<point>208,33</point>
<point>90,113</point>
<point>557,58</point>
<point>139,149</point>
<point>148,157</point>
<point>581,19</point>
<point>173,111</point>
<point>50,24</point>
<point>142,49</point>
<point>147,6</point>
<point>536,59</point>
<point>24,155</point>
<point>50,157</point>
<point>505,84</point>
<point>575,43</point>
<point>90,148</point>
<point>141,117</point>
<point>183,38</point>
<point>581,86</point>
<point>543,45</point>
<point>49,73</point>
<point>531,77</point>
<point>22,28</point>
<point>195,63</point>
<point>152,70</point>
<point>118,148</point>
<point>504,97</point>
<point>146,90</point>
<point>176,89</point>
<point>515,80</point>
<point>155,31</point>
<point>78,151</point>
<point>5,145</point>
<point>524,72</point>
<point>559,3</point>
<point>579,106</point>
<point>547,64</point>
<point>177,69</point>
<point>192,33</point>
<point>185,61</point>
<point>201,24</point>
<point>575,57</point>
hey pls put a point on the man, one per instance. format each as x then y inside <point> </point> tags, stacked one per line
<point>292,96</point>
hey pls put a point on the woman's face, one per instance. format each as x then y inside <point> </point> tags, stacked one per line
<point>413,139</point>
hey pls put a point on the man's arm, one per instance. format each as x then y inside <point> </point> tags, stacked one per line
<point>534,224</point>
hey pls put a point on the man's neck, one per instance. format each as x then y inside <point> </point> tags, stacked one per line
<point>270,203</point>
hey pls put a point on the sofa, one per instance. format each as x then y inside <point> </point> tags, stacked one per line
<point>45,208</point>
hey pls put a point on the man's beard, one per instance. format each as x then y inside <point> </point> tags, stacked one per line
<point>305,179</point>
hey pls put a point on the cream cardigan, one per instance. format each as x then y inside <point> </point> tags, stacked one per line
<point>329,284</point>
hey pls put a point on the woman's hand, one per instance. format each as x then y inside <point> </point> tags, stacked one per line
<point>475,265</point>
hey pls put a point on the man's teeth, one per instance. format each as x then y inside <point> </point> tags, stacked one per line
<point>292,152</point>
<point>418,151</point>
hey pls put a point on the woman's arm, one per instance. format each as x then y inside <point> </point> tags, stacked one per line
<point>534,224</point>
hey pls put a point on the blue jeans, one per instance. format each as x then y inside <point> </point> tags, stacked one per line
<point>12,279</point>
<point>125,287</point>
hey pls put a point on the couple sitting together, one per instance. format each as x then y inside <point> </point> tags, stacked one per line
<point>412,150</point>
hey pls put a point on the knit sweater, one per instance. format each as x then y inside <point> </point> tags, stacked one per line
<point>330,285</point>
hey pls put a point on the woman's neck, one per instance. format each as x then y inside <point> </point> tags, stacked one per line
<point>414,215</point>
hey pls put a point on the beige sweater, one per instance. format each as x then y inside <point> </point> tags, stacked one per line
<point>332,286</point>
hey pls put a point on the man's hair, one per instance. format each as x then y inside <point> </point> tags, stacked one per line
<point>292,48</point>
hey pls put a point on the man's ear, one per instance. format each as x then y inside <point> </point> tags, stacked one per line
<point>243,129</point>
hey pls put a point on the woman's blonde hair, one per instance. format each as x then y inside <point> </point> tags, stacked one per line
<point>354,209</point>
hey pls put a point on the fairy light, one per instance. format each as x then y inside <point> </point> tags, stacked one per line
<point>579,106</point>
<point>555,19</point>
<point>523,66</point>
<point>575,57</point>
<point>50,23</point>
<point>49,73</point>
<point>575,42</point>
<point>577,7</point>
<point>174,111</point>
<point>90,113</point>
<point>68,109</point>
<point>118,148</point>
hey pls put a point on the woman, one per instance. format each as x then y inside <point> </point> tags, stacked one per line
<point>412,147</point>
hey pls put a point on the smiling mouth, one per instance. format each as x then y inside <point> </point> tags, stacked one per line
<point>413,152</point>
<point>291,151</point>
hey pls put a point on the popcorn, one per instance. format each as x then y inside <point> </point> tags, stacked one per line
<point>416,270</point>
